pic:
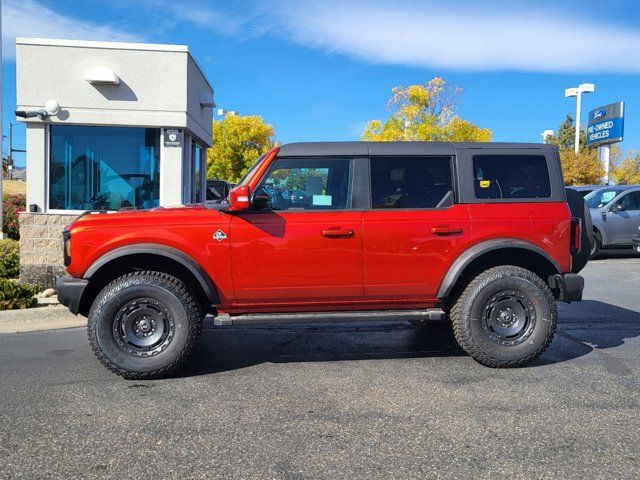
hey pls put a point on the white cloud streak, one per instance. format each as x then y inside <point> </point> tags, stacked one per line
<point>464,36</point>
<point>29,18</point>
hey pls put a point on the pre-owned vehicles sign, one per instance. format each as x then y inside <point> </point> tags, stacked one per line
<point>606,125</point>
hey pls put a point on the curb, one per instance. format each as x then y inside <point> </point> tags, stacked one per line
<point>38,319</point>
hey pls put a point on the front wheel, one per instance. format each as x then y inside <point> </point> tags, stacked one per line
<point>144,325</point>
<point>505,317</point>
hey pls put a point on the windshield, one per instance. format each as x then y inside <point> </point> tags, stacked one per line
<point>600,198</point>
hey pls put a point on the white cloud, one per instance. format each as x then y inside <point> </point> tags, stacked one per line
<point>459,35</point>
<point>29,18</point>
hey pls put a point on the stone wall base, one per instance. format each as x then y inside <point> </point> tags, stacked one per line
<point>41,247</point>
<point>43,275</point>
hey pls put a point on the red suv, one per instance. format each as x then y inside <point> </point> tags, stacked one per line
<point>480,234</point>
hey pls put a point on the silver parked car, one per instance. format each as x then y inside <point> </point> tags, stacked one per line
<point>615,211</point>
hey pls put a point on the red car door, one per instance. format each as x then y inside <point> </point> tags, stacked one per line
<point>300,244</point>
<point>412,231</point>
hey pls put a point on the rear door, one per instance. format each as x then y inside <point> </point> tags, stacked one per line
<point>301,243</point>
<point>623,224</point>
<point>412,228</point>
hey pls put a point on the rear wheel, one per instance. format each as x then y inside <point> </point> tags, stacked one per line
<point>144,325</point>
<point>505,317</point>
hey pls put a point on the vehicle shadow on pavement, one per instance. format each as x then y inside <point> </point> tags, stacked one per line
<point>582,328</point>
<point>587,326</point>
<point>230,348</point>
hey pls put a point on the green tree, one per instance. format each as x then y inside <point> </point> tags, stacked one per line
<point>238,141</point>
<point>425,112</point>
<point>565,138</point>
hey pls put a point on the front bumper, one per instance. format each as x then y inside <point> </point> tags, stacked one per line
<point>569,286</point>
<point>70,290</point>
<point>636,242</point>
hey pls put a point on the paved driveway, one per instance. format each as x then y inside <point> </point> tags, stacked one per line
<point>337,401</point>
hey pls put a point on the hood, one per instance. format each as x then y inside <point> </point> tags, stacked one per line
<point>183,215</point>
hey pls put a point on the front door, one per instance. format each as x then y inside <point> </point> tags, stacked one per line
<point>301,242</point>
<point>623,224</point>
<point>412,230</point>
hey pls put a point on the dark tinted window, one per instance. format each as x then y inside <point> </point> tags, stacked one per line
<point>630,201</point>
<point>511,176</point>
<point>305,183</point>
<point>409,182</point>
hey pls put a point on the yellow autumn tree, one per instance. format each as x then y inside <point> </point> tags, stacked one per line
<point>425,112</point>
<point>627,172</point>
<point>238,141</point>
<point>582,168</point>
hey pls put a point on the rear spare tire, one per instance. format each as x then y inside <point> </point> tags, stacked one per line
<point>144,325</point>
<point>505,317</point>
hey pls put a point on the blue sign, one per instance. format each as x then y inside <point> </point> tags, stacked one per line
<point>606,125</point>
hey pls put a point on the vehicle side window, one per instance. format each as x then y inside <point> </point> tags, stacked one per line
<point>511,176</point>
<point>409,182</point>
<point>630,201</point>
<point>305,183</point>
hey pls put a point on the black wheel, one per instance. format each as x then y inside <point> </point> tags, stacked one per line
<point>144,325</point>
<point>595,246</point>
<point>505,317</point>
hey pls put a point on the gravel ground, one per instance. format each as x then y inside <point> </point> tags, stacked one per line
<point>337,401</point>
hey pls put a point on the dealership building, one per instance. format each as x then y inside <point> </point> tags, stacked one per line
<point>109,126</point>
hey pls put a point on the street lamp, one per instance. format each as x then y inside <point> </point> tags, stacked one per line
<point>577,92</point>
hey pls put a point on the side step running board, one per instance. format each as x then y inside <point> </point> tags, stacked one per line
<point>431,314</point>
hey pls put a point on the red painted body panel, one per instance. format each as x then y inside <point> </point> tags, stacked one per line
<point>324,260</point>
<point>284,257</point>
<point>404,261</point>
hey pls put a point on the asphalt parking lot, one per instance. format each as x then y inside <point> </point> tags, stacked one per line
<point>338,401</point>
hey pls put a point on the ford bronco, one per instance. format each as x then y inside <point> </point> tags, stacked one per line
<point>484,236</point>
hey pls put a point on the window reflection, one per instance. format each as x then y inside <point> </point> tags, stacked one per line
<point>103,168</point>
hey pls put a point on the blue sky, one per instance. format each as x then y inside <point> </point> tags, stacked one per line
<point>319,70</point>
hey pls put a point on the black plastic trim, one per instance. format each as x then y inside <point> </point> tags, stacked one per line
<point>569,285</point>
<point>474,252</point>
<point>69,291</point>
<point>162,250</point>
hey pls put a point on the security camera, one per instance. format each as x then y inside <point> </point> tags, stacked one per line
<point>51,108</point>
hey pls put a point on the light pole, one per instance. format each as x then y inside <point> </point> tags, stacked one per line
<point>577,92</point>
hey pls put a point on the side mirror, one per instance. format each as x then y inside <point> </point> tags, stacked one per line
<point>618,207</point>
<point>239,198</point>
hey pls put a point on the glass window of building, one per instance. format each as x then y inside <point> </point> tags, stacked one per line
<point>198,169</point>
<point>103,168</point>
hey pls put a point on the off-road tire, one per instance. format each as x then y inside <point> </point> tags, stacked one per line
<point>471,332</point>
<point>178,304</point>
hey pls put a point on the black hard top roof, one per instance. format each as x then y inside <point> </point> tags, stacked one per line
<point>396,148</point>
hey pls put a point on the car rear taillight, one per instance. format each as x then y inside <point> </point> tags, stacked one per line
<point>576,235</point>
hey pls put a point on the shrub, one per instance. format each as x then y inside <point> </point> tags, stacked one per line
<point>12,205</point>
<point>15,295</point>
<point>9,259</point>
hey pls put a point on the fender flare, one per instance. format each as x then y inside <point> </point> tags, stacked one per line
<point>171,253</point>
<point>597,229</point>
<point>479,249</point>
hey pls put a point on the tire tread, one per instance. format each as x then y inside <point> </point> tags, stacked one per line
<point>163,280</point>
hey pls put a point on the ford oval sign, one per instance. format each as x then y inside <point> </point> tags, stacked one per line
<point>606,125</point>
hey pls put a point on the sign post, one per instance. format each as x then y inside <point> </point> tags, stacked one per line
<point>606,126</point>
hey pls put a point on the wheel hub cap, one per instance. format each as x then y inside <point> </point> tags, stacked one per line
<point>143,327</point>
<point>508,318</point>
